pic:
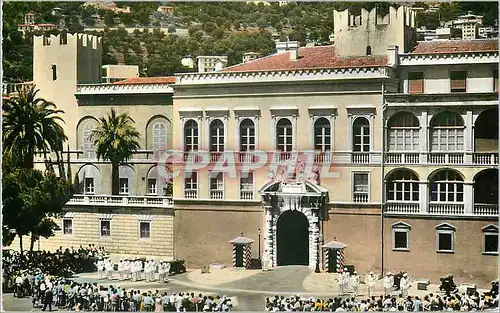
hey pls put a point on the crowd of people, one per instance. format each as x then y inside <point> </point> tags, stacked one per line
<point>389,303</point>
<point>66,294</point>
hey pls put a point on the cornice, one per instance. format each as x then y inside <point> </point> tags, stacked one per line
<point>473,57</point>
<point>113,89</point>
<point>281,75</point>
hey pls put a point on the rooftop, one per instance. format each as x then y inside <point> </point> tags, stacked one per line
<point>146,80</point>
<point>319,57</point>
<point>455,46</point>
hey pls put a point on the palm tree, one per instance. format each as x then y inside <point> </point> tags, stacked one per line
<point>116,139</point>
<point>31,125</point>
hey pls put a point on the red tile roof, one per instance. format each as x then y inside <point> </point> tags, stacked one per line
<point>146,80</point>
<point>455,46</point>
<point>321,57</point>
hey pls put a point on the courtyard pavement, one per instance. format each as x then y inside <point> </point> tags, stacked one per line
<point>247,288</point>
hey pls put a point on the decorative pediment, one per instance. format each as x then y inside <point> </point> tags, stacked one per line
<point>492,228</point>
<point>246,112</point>
<point>284,111</point>
<point>190,113</point>
<point>323,111</point>
<point>445,226</point>
<point>401,225</point>
<point>361,110</point>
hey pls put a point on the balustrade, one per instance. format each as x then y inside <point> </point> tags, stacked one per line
<point>191,194</point>
<point>486,209</point>
<point>246,195</point>
<point>217,194</point>
<point>360,198</point>
<point>446,208</point>
<point>402,207</point>
<point>109,200</point>
<point>360,157</point>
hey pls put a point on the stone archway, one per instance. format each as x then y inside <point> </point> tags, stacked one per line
<point>292,238</point>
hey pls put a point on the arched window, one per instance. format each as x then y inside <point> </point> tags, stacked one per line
<point>322,135</point>
<point>402,185</point>
<point>447,186</point>
<point>284,134</point>
<point>217,136</point>
<point>159,136</point>
<point>486,187</point>
<point>361,135</point>
<point>368,50</point>
<point>88,146</point>
<point>486,131</point>
<point>403,132</point>
<point>247,135</point>
<point>447,132</point>
<point>191,136</point>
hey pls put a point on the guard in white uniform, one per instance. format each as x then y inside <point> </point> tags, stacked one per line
<point>355,283</point>
<point>153,269</point>
<point>120,269</point>
<point>126,268</point>
<point>345,280</point>
<point>388,283</point>
<point>100,268</point>
<point>167,270</point>
<point>404,285</point>
<point>109,268</point>
<point>133,270</point>
<point>371,279</point>
<point>140,267</point>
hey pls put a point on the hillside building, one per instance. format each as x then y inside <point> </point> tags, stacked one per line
<point>211,63</point>
<point>378,142</point>
<point>115,72</point>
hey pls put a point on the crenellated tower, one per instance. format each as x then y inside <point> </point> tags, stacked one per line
<point>59,64</point>
<point>371,34</point>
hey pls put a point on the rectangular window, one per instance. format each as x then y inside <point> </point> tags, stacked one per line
<point>246,187</point>
<point>124,190</point>
<point>145,229</point>
<point>191,186</point>
<point>495,80</point>
<point>458,81</point>
<point>54,72</point>
<point>216,185</point>
<point>67,226</point>
<point>89,185</point>
<point>416,82</point>
<point>105,228</point>
<point>152,187</point>
<point>400,239</point>
<point>445,241</point>
<point>490,243</point>
<point>360,187</point>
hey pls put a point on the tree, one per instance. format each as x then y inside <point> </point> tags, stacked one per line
<point>31,125</point>
<point>116,139</point>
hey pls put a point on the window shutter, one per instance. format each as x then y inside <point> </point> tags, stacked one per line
<point>416,82</point>
<point>458,81</point>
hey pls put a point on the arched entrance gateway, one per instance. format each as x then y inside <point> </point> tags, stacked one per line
<point>293,220</point>
<point>293,239</point>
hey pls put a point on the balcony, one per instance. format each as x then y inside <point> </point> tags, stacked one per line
<point>216,156</point>
<point>191,194</point>
<point>442,158</point>
<point>360,198</point>
<point>323,157</point>
<point>455,209</point>
<point>446,158</point>
<point>247,157</point>
<point>246,195</point>
<point>402,158</point>
<point>360,157</point>
<point>216,194</point>
<point>121,201</point>
<point>485,158</point>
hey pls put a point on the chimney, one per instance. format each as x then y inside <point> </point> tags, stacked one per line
<point>281,46</point>
<point>392,56</point>
<point>293,47</point>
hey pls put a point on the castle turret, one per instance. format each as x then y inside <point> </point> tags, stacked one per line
<point>371,34</point>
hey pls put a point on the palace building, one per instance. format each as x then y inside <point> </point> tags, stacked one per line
<point>380,147</point>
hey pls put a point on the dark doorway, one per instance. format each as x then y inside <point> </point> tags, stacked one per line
<point>293,239</point>
<point>332,260</point>
<point>239,255</point>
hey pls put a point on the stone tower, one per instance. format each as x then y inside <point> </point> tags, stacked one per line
<point>370,34</point>
<point>59,64</point>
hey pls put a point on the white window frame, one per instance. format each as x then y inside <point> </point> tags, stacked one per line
<point>353,112</point>
<point>490,230</point>
<point>407,186</point>
<point>191,183</point>
<point>220,183</point>
<point>401,227</point>
<point>241,114</point>
<point>155,193</point>
<point>159,134</point>
<point>140,229</point>
<point>64,219</point>
<point>445,228</point>
<point>212,114</point>
<point>363,136</point>
<point>247,136</point>
<point>285,136</point>
<point>220,136</point>
<point>88,146</point>
<point>89,189</point>
<point>124,188</point>
<point>412,133</point>
<point>353,187</point>
<point>440,136</point>
<point>279,113</point>
<point>100,228</point>
<point>252,184</point>
<point>445,183</point>
<point>329,113</point>
<point>324,135</point>
<point>191,135</point>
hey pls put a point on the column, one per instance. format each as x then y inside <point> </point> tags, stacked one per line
<point>423,190</point>
<point>468,138</point>
<point>468,198</point>
<point>424,137</point>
